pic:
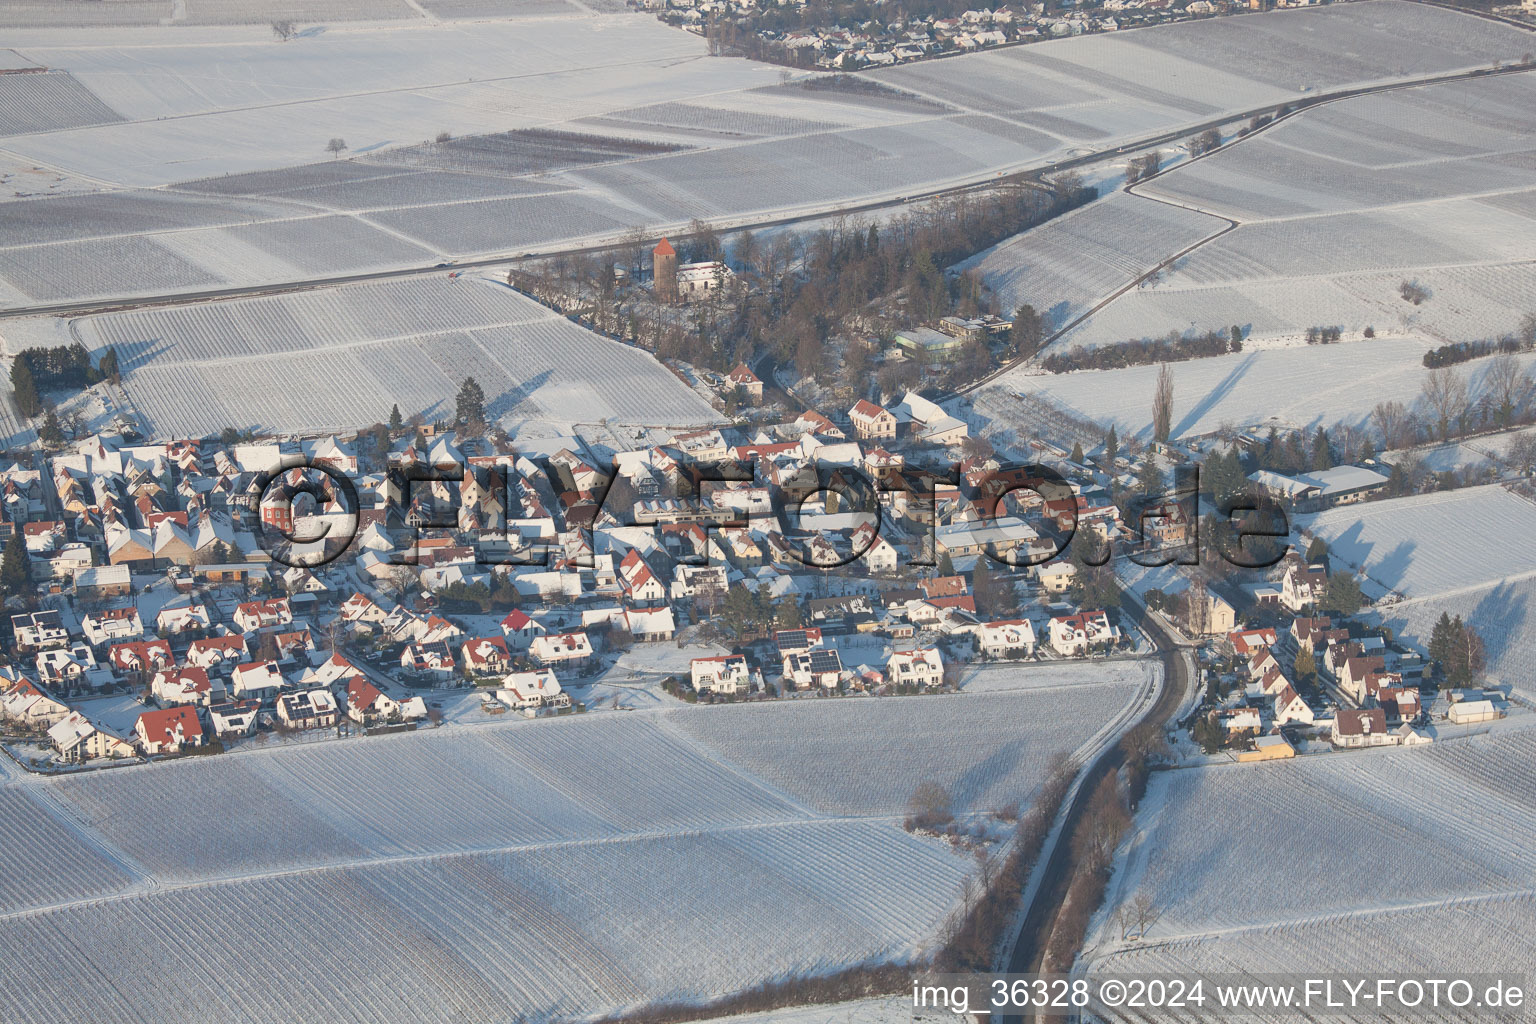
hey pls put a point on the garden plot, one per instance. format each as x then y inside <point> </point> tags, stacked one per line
<point>47,102</point>
<point>1431,544</point>
<point>1303,386</point>
<point>1067,264</point>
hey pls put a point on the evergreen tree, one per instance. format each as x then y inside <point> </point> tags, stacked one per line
<point>28,401</point>
<point>1305,665</point>
<point>15,569</point>
<point>1317,552</point>
<point>1077,453</point>
<point>1342,595</point>
<point>1028,330</point>
<point>946,565</point>
<point>1322,453</point>
<point>1111,447</point>
<point>1440,641</point>
<point>395,420</point>
<point>469,407</point>
<point>50,432</point>
<point>1237,338</point>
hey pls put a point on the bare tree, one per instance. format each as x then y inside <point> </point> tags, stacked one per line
<point>1413,292</point>
<point>283,30</point>
<point>1388,419</point>
<point>1527,331</point>
<point>1162,404</point>
<point>1445,391</point>
<point>1137,915</point>
<point>443,137</point>
<point>929,806</point>
<point>335,146</point>
<point>1522,452</point>
<point>1508,385</point>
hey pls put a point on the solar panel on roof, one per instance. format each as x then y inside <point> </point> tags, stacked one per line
<point>825,661</point>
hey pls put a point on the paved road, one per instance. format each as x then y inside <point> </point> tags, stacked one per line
<point>1038,917</point>
<point>1022,175</point>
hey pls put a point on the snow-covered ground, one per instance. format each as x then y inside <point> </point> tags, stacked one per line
<point>1301,387</point>
<point>1391,859</point>
<point>1432,545</point>
<point>191,105</point>
<point>532,868</point>
<point>1337,206</point>
<point>337,358</point>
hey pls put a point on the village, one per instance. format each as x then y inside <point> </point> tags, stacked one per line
<point>204,593</point>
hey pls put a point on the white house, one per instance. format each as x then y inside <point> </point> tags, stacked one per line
<point>212,651</point>
<point>1302,587</point>
<point>189,685</point>
<point>533,690</point>
<point>234,718</point>
<point>308,709</point>
<point>38,631</point>
<point>1073,635</point>
<point>172,621</point>
<point>257,680</point>
<point>257,615</point>
<point>816,666</point>
<point>112,625</point>
<point>924,668</point>
<point>169,730</point>
<point>572,649</point>
<point>724,674</point>
<point>1007,638</point>
<point>367,703</point>
<point>76,738</point>
<point>520,629</point>
<point>1289,707</point>
<point>1361,727</point>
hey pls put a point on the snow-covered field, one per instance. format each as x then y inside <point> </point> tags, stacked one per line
<point>1295,386</point>
<point>1400,860</point>
<point>198,103</point>
<point>338,358</point>
<point>557,867</point>
<point>1432,544</point>
<point>1340,204</point>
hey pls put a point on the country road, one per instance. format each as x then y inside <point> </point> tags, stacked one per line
<point>992,180</point>
<point>1056,870</point>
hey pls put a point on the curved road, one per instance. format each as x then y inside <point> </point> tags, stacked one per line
<point>1057,868</point>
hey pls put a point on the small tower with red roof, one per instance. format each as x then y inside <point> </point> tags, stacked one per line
<point>664,271</point>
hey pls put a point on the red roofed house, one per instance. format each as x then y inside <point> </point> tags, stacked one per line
<point>640,584</point>
<point>367,703</point>
<point>533,690</point>
<point>1073,635</point>
<point>215,650</point>
<point>189,685</point>
<point>725,674</point>
<point>168,730</point>
<point>746,381</point>
<point>572,649</point>
<point>255,615</point>
<point>1245,641</point>
<point>140,656</point>
<point>486,656</point>
<point>520,630</point>
<point>870,420</point>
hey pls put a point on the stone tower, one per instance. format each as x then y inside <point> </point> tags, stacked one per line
<point>664,271</point>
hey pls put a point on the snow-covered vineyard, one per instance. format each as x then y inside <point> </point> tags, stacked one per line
<point>1411,860</point>
<point>330,359</point>
<point>193,114</point>
<point>1337,206</point>
<point>532,869</point>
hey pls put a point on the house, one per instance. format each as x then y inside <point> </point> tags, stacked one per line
<point>650,624</point>
<point>253,616</point>
<point>101,582</point>
<point>27,706</point>
<point>188,618</point>
<point>520,630</point>
<point>360,610</point>
<point>725,674</point>
<point>1238,722</point>
<point>1245,642</point>
<point>366,703</point>
<point>485,656</point>
<point>745,381</point>
<point>429,659</point>
<point>1007,638</point>
<point>234,718</point>
<point>212,651</point>
<point>1302,586</point>
<point>1075,635</point>
<point>257,680</point>
<point>816,666</point>
<point>641,585</point>
<point>189,685</point>
<point>569,649</point>
<point>1055,577</point>
<point>111,626</point>
<point>169,730</point>
<point>308,709</point>
<point>140,656</point>
<point>39,631</point>
<point>1289,707</point>
<point>790,641</point>
<point>76,739</point>
<point>1213,617</point>
<point>72,668</point>
<point>871,421</point>
<point>1361,727</point>
<point>922,668</point>
<point>533,690</point>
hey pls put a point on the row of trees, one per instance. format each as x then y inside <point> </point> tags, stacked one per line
<point>1456,650</point>
<point>54,369</point>
<point>1172,348</point>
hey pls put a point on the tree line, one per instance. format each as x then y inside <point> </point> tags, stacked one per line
<point>1173,348</point>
